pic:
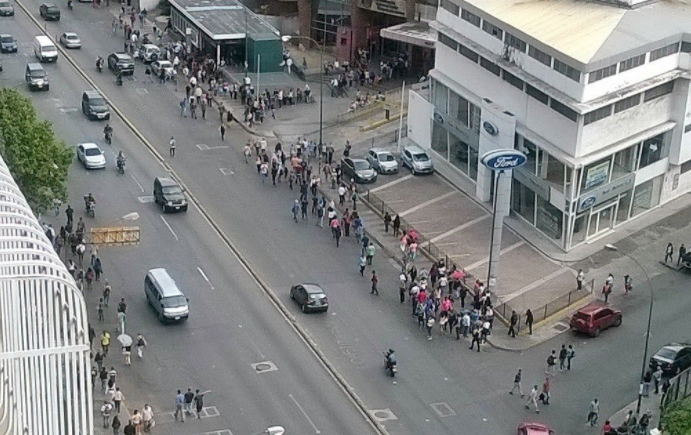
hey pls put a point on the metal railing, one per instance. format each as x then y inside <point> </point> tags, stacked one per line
<point>45,383</point>
<point>679,389</point>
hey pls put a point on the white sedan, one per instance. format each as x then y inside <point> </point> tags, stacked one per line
<point>162,65</point>
<point>91,156</point>
<point>70,40</point>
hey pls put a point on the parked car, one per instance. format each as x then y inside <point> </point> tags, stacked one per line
<point>91,156</point>
<point>169,194</point>
<point>49,12</point>
<point>359,170</point>
<point>417,160</point>
<point>94,106</point>
<point>7,43</point>
<point>594,318</point>
<point>162,65</point>
<point>382,161</point>
<point>672,358</point>
<point>148,52</point>
<point>534,429</point>
<point>121,62</point>
<point>6,9</point>
<point>310,297</point>
<point>70,40</point>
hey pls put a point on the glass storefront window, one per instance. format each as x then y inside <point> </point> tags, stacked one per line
<point>624,205</point>
<point>440,140</point>
<point>523,201</point>
<point>549,219</point>
<point>441,97</point>
<point>646,195</point>
<point>579,230</point>
<point>474,118</point>
<point>624,162</point>
<point>458,108</point>
<point>653,150</point>
<point>555,172</point>
<point>474,158</point>
<point>459,153</point>
<point>530,151</point>
<point>596,174</point>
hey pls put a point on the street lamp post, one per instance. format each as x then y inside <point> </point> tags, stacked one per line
<point>611,247</point>
<point>287,38</point>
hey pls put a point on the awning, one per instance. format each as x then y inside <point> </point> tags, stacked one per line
<point>417,33</point>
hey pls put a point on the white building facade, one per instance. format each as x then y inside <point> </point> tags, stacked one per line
<point>596,94</point>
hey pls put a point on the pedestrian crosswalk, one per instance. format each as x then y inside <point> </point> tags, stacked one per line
<point>169,417</point>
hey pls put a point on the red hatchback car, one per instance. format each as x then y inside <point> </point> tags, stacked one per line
<point>534,429</point>
<point>594,318</point>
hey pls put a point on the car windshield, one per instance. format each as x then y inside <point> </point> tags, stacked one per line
<point>4,4</point>
<point>98,101</point>
<point>360,165</point>
<point>72,37</point>
<point>667,353</point>
<point>169,190</point>
<point>386,157</point>
<point>47,48</point>
<point>52,8</point>
<point>92,152</point>
<point>174,301</point>
<point>317,296</point>
<point>37,74</point>
<point>7,39</point>
<point>422,157</point>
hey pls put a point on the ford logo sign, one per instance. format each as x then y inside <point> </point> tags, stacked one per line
<point>501,160</point>
<point>490,128</point>
<point>587,202</point>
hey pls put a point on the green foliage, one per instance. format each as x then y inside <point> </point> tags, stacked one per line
<point>37,160</point>
<point>164,7</point>
<point>677,418</point>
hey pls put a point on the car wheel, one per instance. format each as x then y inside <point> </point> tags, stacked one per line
<point>292,296</point>
<point>412,171</point>
<point>304,308</point>
<point>160,317</point>
<point>617,322</point>
<point>596,332</point>
<point>163,207</point>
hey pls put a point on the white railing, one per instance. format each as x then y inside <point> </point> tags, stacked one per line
<point>45,383</point>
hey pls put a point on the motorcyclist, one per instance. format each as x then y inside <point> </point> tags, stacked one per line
<point>99,63</point>
<point>118,78</point>
<point>108,132</point>
<point>390,358</point>
<point>121,160</point>
<point>89,201</point>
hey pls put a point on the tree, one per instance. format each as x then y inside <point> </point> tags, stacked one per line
<point>37,160</point>
<point>677,418</point>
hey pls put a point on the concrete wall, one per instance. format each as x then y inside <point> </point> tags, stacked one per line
<point>680,151</point>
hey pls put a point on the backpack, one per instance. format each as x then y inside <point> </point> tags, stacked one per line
<point>550,360</point>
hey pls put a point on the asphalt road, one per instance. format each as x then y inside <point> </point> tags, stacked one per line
<point>468,389</point>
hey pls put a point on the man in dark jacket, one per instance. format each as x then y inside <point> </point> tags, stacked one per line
<point>513,322</point>
<point>129,429</point>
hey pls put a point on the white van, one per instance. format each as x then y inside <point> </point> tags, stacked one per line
<point>45,50</point>
<point>165,297</point>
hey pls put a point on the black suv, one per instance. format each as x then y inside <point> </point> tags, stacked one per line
<point>49,12</point>
<point>94,106</point>
<point>168,194</point>
<point>672,359</point>
<point>121,62</point>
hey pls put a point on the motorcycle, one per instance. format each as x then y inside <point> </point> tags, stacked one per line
<point>389,366</point>
<point>99,64</point>
<point>121,167</point>
<point>90,207</point>
<point>108,135</point>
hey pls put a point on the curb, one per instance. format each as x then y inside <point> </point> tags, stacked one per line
<point>302,333</point>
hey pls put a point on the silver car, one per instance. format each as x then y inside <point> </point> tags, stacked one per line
<point>382,161</point>
<point>6,8</point>
<point>91,156</point>
<point>162,65</point>
<point>417,160</point>
<point>70,40</point>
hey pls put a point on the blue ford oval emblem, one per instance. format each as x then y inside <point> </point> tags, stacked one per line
<point>490,128</point>
<point>504,159</point>
<point>587,202</point>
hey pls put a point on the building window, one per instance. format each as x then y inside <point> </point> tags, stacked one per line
<point>470,54</point>
<point>596,115</point>
<point>450,7</point>
<point>631,63</point>
<point>686,167</point>
<point>602,73</point>
<point>658,91</point>
<point>440,140</point>
<point>568,71</point>
<point>540,56</point>
<point>687,128</point>
<point>493,30</point>
<point>490,66</point>
<point>563,110</point>
<point>441,97</point>
<point>627,103</point>
<point>653,150</point>
<point>459,108</point>
<point>515,81</point>
<point>448,41</point>
<point>523,201</point>
<point>686,47</point>
<point>664,51</point>
<point>515,42</point>
<point>470,17</point>
<point>537,94</point>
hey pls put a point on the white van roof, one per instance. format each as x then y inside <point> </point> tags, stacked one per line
<point>165,283</point>
<point>44,40</point>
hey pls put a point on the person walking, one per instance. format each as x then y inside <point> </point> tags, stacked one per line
<point>105,342</point>
<point>669,252</point>
<point>141,344</point>
<point>369,252</point>
<point>98,268</point>
<point>106,294</point>
<point>579,279</point>
<point>199,403</point>
<point>183,108</point>
<point>544,395</point>
<point>593,412</point>
<point>222,130</point>
<point>363,264</point>
<point>99,309</point>
<point>657,379</point>
<point>189,398</point>
<point>513,321</point>
<point>116,425</point>
<point>172,146</point>
<point>532,399</point>
<point>374,281</point>
<point>476,339</point>
<point>103,376</point>
<point>118,397</point>
<point>606,290</point>
<point>551,363</point>
<point>387,222</point>
<point>628,284</point>
<point>396,225</point>
<point>69,211</point>
<point>148,418</point>
<point>295,210</point>
<point>106,410</point>
<point>402,284</point>
<point>98,359</point>
<point>179,403</point>
<point>517,383</point>
<point>562,357</point>
<point>570,353</point>
<point>682,252</point>
<point>529,320</point>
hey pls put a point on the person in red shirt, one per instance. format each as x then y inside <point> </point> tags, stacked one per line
<point>374,280</point>
<point>607,429</point>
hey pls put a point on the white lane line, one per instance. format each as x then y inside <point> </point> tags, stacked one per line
<point>168,225</point>
<point>534,284</point>
<point>391,183</point>
<point>426,203</point>
<point>206,278</point>
<point>461,227</point>
<point>137,181</point>
<point>305,414</point>
<point>502,252</point>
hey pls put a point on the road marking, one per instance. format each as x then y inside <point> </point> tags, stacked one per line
<point>205,278</point>
<point>443,409</point>
<point>418,222</point>
<point>169,417</point>
<point>145,199</point>
<point>426,203</point>
<point>305,414</point>
<point>382,415</point>
<point>461,227</point>
<point>217,432</point>
<point>68,109</point>
<point>395,201</point>
<point>142,91</point>
<point>391,183</point>
<point>205,147</point>
<point>502,252</point>
<point>534,284</point>
<point>136,181</point>
<point>171,230</point>
<point>258,351</point>
<point>264,367</point>
<point>226,171</point>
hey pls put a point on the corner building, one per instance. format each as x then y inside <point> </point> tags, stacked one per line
<point>596,94</point>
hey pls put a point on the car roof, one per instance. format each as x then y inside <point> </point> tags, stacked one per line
<point>594,308</point>
<point>93,93</point>
<point>2,35</point>
<point>358,160</point>
<point>49,5</point>
<point>312,288</point>
<point>150,45</point>
<point>163,181</point>
<point>70,34</point>
<point>675,346</point>
<point>380,150</point>
<point>414,149</point>
<point>122,55</point>
<point>534,428</point>
<point>88,145</point>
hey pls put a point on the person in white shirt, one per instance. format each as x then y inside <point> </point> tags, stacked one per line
<point>148,418</point>
<point>532,399</point>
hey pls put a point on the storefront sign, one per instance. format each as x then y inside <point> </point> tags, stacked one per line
<point>533,183</point>
<point>597,175</point>
<point>502,160</point>
<point>604,193</point>
<point>490,128</point>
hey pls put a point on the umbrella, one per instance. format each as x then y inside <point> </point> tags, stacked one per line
<point>458,274</point>
<point>125,340</point>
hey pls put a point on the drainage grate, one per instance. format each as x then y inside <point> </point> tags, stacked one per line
<point>561,327</point>
<point>383,415</point>
<point>264,366</point>
<point>443,409</point>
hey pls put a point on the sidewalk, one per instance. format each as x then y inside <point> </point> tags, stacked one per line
<point>652,403</point>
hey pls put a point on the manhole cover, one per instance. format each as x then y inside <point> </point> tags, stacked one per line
<point>264,366</point>
<point>383,415</point>
<point>561,327</point>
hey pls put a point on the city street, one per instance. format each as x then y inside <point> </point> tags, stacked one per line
<point>442,386</point>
